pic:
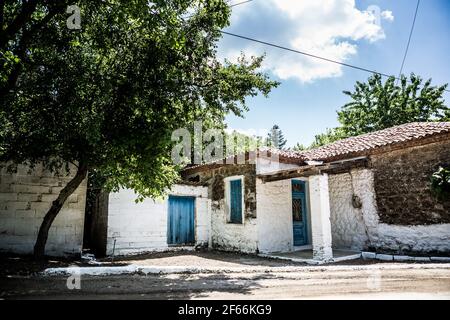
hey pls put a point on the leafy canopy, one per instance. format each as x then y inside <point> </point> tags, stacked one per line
<point>377,105</point>
<point>110,94</point>
<point>440,183</point>
<point>330,136</point>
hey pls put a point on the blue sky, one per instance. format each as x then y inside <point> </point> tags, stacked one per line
<point>310,93</point>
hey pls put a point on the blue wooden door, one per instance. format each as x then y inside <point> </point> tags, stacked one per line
<point>299,213</point>
<point>181,221</point>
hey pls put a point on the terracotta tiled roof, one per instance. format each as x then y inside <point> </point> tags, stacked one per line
<point>371,141</point>
<point>355,146</point>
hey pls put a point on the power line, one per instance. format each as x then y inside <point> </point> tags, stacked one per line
<point>310,55</point>
<point>409,40</point>
<point>326,59</point>
<point>239,3</point>
<point>303,53</point>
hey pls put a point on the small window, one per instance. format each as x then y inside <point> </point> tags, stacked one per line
<point>236,201</point>
<point>298,186</point>
<point>297,210</point>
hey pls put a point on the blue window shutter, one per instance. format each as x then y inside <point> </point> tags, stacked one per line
<point>236,201</point>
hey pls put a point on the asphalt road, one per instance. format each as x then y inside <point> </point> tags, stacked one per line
<point>396,283</point>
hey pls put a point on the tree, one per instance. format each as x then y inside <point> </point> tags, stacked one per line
<point>20,21</point>
<point>299,147</point>
<point>107,97</point>
<point>275,138</point>
<point>376,105</point>
<point>330,136</point>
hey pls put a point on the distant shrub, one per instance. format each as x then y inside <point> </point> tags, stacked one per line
<point>440,183</point>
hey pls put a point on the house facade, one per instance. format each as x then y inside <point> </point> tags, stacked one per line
<point>370,192</point>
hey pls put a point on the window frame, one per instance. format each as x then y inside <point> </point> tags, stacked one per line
<point>228,198</point>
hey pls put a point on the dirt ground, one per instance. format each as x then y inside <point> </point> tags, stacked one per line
<point>357,279</point>
<point>203,259</point>
<point>214,259</point>
<point>198,259</point>
<point>24,265</point>
<point>325,284</point>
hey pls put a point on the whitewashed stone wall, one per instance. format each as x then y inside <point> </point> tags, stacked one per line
<point>25,197</point>
<point>414,238</point>
<point>274,212</point>
<point>347,225</point>
<point>321,221</point>
<point>382,236</point>
<point>232,237</point>
<point>142,227</point>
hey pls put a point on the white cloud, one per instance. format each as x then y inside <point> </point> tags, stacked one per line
<point>387,15</point>
<point>328,28</point>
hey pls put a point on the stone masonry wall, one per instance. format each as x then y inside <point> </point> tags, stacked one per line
<point>224,235</point>
<point>25,197</point>
<point>362,229</point>
<point>402,185</point>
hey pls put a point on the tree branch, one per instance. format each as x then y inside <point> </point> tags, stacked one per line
<point>2,13</point>
<point>21,50</point>
<point>28,8</point>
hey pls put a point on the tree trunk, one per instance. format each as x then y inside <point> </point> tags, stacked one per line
<point>39,247</point>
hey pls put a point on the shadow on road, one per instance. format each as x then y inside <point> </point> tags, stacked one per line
<point>164,287</point>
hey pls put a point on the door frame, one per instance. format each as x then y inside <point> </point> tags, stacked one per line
<point>305,213</point>
<point>194,198</point>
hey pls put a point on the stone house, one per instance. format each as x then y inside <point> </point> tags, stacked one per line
<point>366,192</point>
